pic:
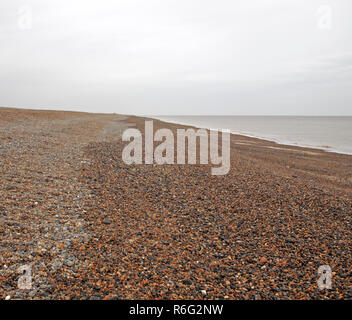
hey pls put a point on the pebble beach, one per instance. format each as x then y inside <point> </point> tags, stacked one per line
<point>92,227</point>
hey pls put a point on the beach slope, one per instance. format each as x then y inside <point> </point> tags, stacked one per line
<point>91,227</point>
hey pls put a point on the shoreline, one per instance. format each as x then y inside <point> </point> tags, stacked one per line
<point>327,149</point>
<point>275,140</point>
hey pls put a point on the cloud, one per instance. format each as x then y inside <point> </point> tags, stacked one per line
<point>168,56</point>
<point>323,70</point>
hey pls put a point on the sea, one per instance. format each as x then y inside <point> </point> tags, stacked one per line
<point>329,133</point>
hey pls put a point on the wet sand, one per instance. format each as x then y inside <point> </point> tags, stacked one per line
<point>92,227</point>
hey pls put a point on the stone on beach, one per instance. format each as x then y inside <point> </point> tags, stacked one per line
<point>92,227</point>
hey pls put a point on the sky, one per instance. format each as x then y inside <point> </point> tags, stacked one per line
<point>178,57</point>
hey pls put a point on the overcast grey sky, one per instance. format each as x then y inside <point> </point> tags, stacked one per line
<point>177,56</point>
